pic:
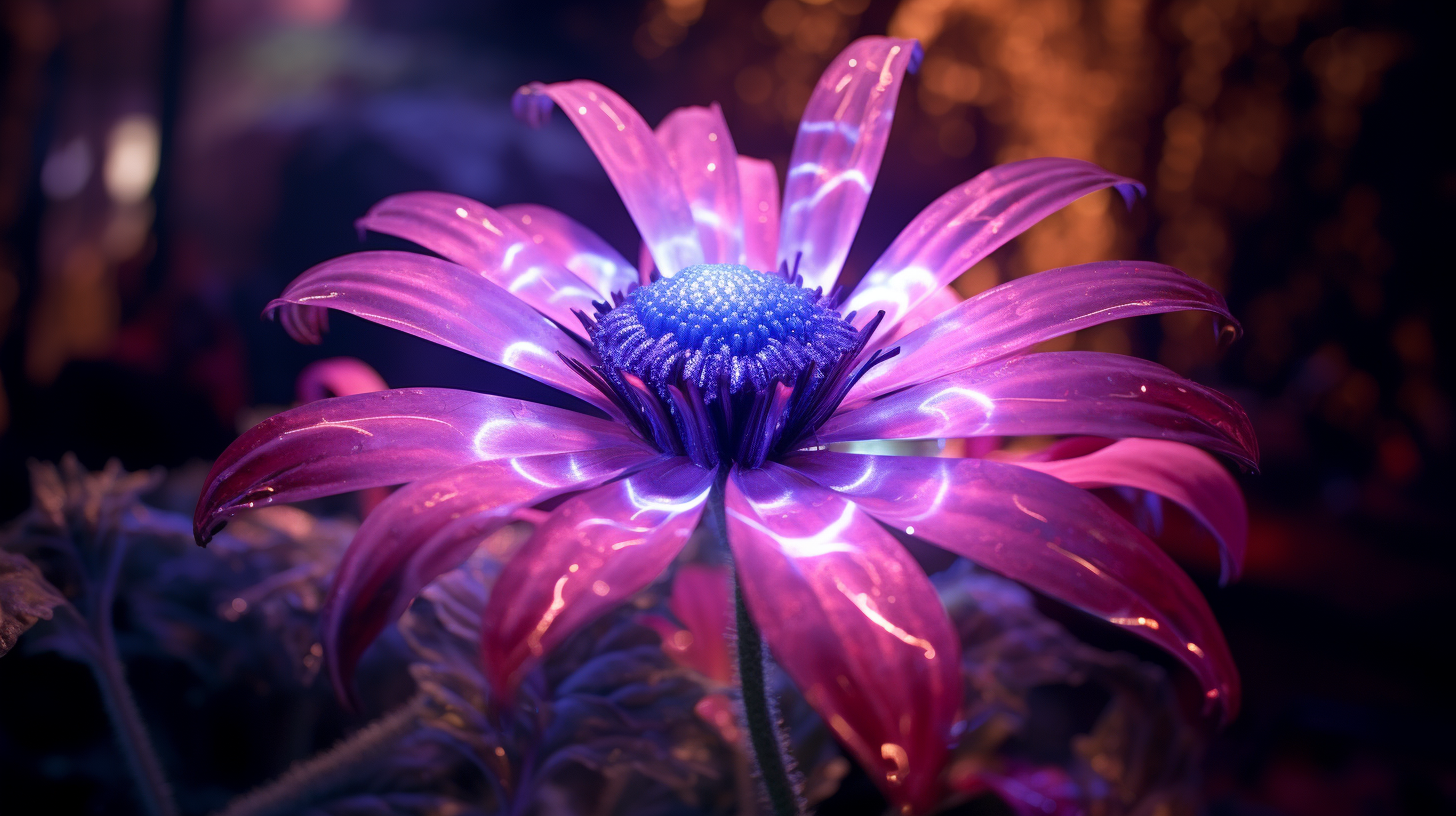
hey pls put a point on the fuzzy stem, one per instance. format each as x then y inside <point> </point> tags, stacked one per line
<point>760,714</point>
<point>328,773</point>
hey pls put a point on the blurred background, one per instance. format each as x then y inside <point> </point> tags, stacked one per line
<point>167,166</point>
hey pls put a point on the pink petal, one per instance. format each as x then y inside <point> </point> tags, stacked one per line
<point>573,246</point>
<point>967,224</point>
<point>837,154</point>
<point>429,527</point>
<point>485,242</point>
<point>855,623</point>
<point>701,150</point>
<point>1019,314</point>
<point>446,304</point>
<point>593,552</point>
<point>1056,392</point>
<point>337,377</point>
<point>1179,473</point>
<point>943,300</point>
<point>1041,531</point>
<point>638,167</point>
<point>385,438</point>
<point>758,182</point>
<point>702,598</point>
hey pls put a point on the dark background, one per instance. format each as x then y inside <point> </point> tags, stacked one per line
<point>1296,158</point>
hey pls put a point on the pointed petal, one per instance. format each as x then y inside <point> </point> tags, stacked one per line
<point>486,242</point>
<point>701,150</point>
<point>1056,392</point>
<point>837,154</point>
<point>967,224</point>
<point>1179,473</point>
<point>385,438</point>
<point>1019,314</point>
<point>571,245</point>
<point>446,304</point>
<point>758,182</point>
<point>429,527</point>
<point>1041,531</point>
<point>337,377</point>
<point>592,553</point>
<point>638,167</point>
<point>853,620</point>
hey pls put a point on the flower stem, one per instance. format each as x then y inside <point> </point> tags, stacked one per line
<point>760,713</point>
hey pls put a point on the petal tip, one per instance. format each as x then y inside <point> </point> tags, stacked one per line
<point>531,105</point>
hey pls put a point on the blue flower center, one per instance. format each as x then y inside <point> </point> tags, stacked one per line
<point>722,328</point>
<point>720,307</point>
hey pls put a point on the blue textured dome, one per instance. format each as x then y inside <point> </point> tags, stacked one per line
<point>707,307</point>
<point>721,327</point>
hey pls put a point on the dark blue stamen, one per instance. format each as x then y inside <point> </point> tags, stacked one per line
<point>722,362</point>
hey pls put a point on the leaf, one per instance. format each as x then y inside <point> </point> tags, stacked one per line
<point>25,598</point>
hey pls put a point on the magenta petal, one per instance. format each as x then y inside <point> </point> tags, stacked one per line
<point>1179,473</point>
<point>758,182</point>
<point>638,167</point>
<point>486,242</point>
<point>702,598</point>
<point>1041,531</point>
<point>854,621</point>
<point>571,245</point>
<point>837,154</point>
<point>429,527</point>
<point>701,150</point>
<point>1019,314</point>
<point>967,224</point>
<point>446,304</point>
<point>385,438</point>
<point>593,552</point>
<point>337,377</point>
<point>1056,392</point>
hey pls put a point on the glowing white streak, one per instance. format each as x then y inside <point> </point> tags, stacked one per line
<point>825,542</point>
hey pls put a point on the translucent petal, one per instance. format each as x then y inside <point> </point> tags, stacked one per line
<point>1055,392</point>
<point>429,527</point>
<point>702,598</point>
<point>1179,473</point>
<point>1041,531</point>
<point>385,438</point>
<point>701,150</point>
<point>487,242</point>
<point>1020,313</point>
<point>593,552</point>
<point>575,247</point>
<point>759,185</point>
<point>638,167</point>
<point>837,154</point>
<point>967,224</point>
<point>853,620</point>
<point>446,304</point>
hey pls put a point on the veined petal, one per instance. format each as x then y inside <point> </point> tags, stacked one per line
<point>837,154</point>
<point>1179,473</point>
<point>385,438</point>
<point>593,552</point>
<point>758,183</point>
<point>447,304</point>
<point>485,242</point>
<point>638,167</point>
<point>1055,392</point>
<point>967,224</point>
<point>429,527</point>
<point>701,150</point>
<point>1019,314</point>
<point>1041,531</point>
<point>572,245</point>
<point>853,620</point>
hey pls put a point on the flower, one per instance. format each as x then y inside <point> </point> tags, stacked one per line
<point>726,366</point>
